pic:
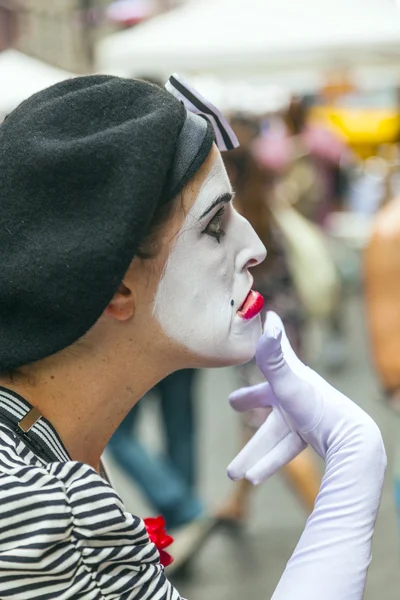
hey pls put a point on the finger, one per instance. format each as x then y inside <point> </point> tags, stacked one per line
<point>271,432</point>
<point>278,457</point>
<point>294,393</point>
<point>256,396</point>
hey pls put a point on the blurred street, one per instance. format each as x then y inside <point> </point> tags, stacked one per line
<point>248,564</point>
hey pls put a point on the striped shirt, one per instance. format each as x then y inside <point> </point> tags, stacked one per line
<point>64,532</point>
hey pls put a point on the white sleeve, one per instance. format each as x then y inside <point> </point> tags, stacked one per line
<point>332,557</point>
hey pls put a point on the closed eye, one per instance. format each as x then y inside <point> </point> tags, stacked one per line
<point>214,227</point>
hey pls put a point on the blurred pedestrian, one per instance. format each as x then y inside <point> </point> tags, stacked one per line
<point>168,480</point>
<point>382,286</point>
<point>319,179</point>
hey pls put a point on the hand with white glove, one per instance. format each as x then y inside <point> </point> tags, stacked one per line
<point>332,557</point>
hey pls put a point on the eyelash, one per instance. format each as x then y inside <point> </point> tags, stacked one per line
<point>216,220</point>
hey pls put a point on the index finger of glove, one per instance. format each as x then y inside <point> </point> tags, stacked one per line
<point>255,396</point>
<point>271,432</point>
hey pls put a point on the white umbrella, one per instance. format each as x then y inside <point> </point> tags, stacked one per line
<point>245,37</point>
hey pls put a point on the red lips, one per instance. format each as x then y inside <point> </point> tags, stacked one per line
<point>252,306</point>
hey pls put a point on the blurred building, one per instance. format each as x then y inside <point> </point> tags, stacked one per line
<point>60,32</point>
<point>7,24</point>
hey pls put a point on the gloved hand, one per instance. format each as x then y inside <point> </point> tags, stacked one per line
<point>332,557</point>
<point>306,410</point>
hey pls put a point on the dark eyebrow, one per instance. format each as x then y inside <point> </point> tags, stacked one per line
<point>223,199</point>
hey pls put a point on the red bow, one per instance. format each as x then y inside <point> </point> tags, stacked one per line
<point>157,534</point>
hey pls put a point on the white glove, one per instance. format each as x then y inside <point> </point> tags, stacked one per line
<point>333,555</point>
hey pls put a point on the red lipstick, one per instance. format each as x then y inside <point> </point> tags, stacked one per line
<point>252,306</point>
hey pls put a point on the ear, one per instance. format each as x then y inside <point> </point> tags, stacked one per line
<point>122,306</point>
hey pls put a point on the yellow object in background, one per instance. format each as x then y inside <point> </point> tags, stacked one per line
<point>364,128</point>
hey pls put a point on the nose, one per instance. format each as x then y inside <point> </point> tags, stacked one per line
<point>253,250</point>
<point>260,254</point>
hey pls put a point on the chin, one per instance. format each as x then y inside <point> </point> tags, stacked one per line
<point>236,349</point>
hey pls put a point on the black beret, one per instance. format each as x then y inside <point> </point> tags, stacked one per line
<point>83,167</point>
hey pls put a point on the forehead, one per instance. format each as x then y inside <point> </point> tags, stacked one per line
<point>213,181</point>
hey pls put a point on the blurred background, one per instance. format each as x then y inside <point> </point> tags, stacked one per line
<point>312,90</point>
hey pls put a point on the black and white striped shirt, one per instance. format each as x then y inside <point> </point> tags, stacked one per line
<point>64,533</point>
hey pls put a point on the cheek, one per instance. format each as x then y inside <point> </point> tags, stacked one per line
<point>195,291</point>
<point>218,278</point>
<point>223,282</point>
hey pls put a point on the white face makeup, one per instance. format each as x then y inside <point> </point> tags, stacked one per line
<point>206,278</point>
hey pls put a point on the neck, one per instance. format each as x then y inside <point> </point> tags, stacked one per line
<point>87,397</point>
